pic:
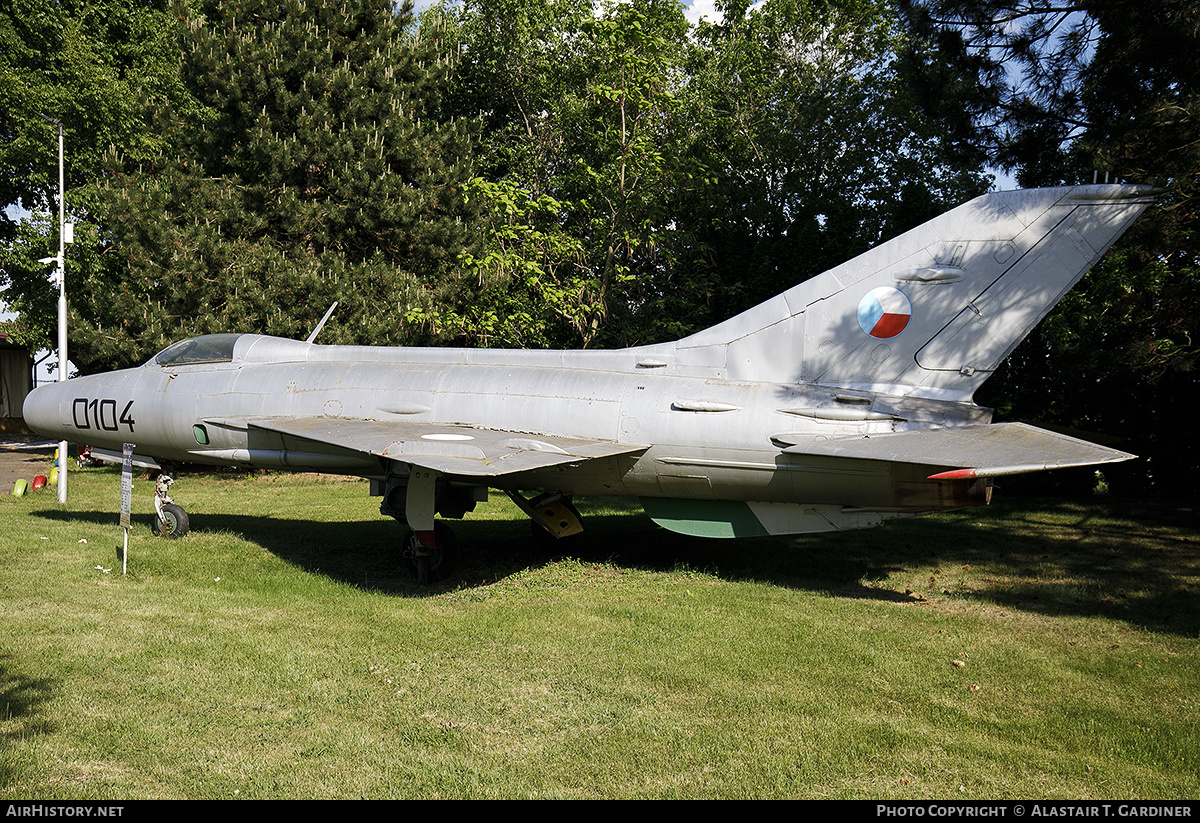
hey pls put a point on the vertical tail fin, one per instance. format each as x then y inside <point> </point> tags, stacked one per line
<point>934,311</point>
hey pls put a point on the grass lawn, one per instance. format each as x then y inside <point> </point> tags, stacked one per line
<point>1033,649</point>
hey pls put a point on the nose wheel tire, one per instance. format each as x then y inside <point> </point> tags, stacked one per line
<point>174,522</point>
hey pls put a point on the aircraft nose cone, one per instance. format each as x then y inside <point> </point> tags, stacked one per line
<point>42,410</point>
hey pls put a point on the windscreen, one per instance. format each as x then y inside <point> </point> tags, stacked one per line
<point>211,348</point>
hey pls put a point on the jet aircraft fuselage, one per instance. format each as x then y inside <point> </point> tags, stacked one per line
<point>664,435</point>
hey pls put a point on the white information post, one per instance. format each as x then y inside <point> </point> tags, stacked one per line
<point>126,499</point>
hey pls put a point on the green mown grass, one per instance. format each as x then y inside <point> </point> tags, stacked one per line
<point>1030,650</point>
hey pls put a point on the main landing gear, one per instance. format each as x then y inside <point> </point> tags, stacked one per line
<point>170,520</point>
<point>430,549</point>
<point>431,556</point>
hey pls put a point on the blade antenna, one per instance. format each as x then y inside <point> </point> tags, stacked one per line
<point>321,325</point>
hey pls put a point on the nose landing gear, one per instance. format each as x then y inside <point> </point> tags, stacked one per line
<point>170,520</point>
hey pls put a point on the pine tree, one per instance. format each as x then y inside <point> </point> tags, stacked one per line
<point>321,168</point>
<point>1074,92</point>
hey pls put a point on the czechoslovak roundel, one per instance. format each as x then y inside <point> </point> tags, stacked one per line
<point>884,312</point>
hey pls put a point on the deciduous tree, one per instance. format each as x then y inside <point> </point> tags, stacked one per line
<point>579,112</point>
<point>814,150</point>
<point>691,172</point>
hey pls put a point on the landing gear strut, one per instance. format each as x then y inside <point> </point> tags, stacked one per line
<point>170,520</point>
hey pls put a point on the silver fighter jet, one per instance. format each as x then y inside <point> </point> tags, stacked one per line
<point>841,403</point>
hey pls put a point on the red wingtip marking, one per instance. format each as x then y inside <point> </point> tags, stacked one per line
<point>955,474</point>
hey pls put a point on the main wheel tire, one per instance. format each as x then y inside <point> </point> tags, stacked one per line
<point>174,518</point>
<point>442,562</point>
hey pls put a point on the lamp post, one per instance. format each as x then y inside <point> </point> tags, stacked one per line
<point>62,305</point>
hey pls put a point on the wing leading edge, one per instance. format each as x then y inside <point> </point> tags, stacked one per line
<point>452,449</point>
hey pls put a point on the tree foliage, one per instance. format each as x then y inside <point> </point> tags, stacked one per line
<point>814,149</point>
<point>580,119</point>
<point>1049,88</point>
<point>319,166</point>
<point>666,177</point>
<point>91,65</point>
<point>1063,92</point>
<point>634,178</point>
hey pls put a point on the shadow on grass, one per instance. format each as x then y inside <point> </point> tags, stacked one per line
<point>1132,562</point>
<point>21,700</point>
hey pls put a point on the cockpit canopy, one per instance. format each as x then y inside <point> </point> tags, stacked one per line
<point>209,348</point>
<point>214,349</point>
